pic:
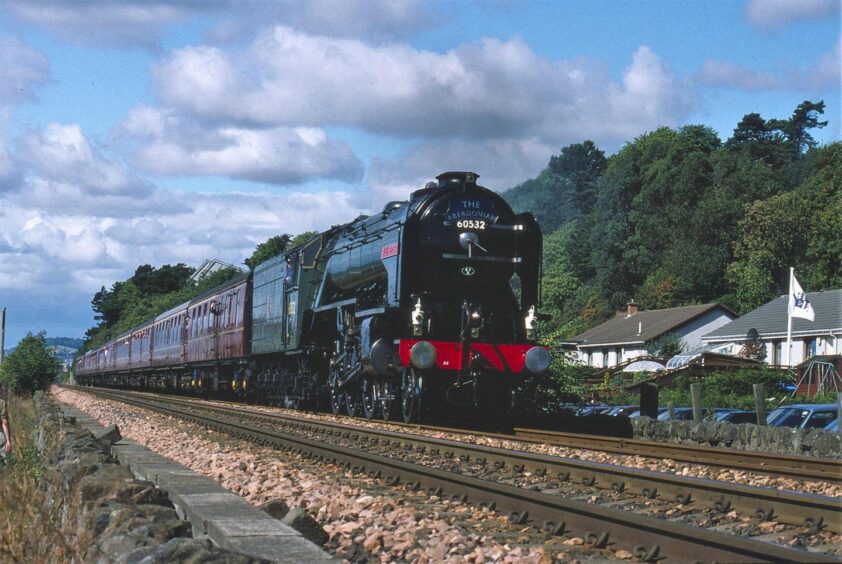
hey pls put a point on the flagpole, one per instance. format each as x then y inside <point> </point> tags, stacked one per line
<point>789,318</point>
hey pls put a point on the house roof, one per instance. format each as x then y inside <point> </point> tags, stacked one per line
<point>770,319</point>
<point>623,329</point>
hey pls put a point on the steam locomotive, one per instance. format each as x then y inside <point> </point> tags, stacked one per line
<point>428,306</point>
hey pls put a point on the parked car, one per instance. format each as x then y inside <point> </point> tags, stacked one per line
<point>622,410</point>
<point>803,416</point>
<point>593,409</point>
<point>636,412</point>
<point>833,425</point>
<point>736,416</point>
<point>682,414</point>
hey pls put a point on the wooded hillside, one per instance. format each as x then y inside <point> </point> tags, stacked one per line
<point>679,217</point>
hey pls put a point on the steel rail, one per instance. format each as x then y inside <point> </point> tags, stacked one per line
<point>785,506</point>
<point>648,538</point>
<point>793,466</point>
<point>802,467</point>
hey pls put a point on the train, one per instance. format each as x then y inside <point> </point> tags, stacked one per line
<point>428,308</point>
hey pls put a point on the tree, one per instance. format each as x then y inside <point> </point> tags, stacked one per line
<point>31,366</point>
<point>302,238</point>
<point>268,249</point>
<point>666,346</point>
<point>798,228</point>
<point>581,164</point>
<point>168,278</point>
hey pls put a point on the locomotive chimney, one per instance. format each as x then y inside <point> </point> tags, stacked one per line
<point>463,179</point>
<point>632,308</point>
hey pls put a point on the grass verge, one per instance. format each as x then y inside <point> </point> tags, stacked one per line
<point>32,502</point>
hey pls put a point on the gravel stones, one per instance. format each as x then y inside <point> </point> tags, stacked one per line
<point>364,519</point>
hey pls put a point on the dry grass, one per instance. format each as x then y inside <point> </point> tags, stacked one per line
<point>33,506</point>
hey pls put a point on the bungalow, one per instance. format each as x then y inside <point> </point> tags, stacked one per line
<point>767,325</point>
<point>630,333</point>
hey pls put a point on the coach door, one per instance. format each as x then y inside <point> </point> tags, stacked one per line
<point>290,301</point>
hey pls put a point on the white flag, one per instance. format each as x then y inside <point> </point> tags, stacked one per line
<point>799,305</point>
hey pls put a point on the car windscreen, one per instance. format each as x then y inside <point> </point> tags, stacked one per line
<point>783,417</point>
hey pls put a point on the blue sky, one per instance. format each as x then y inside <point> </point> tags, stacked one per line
<point>163,131</point>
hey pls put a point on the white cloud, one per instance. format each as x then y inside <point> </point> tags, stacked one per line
<point>732,75</point>
<point>22,69</point>
<point>143,23</point>
<point>9,173</point>
<point>59,224</point>
<point>501,165</point>
<point>824,73</point>
<point>376,20</point>
<point>651,95</point>
<point>771,14</point>
<point>173,145</point>
<point>489,89</point>
<point>63,155</point>
<point>122,23</point>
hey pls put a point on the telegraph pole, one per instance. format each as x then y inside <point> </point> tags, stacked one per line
<point>2,332</point>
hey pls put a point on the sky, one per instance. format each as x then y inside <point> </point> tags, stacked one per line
<point>164,131</point>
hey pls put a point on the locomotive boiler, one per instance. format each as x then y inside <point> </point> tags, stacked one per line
<point>425,308</point>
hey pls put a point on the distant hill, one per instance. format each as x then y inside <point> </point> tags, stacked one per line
<point>69,342</point>
<point>64,348</point>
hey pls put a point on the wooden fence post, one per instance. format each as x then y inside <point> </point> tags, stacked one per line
<point>696,398</point>
<point>760,404</point>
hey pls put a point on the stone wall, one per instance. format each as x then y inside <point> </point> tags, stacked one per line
<point>780,440</point>
<point>108,515</point>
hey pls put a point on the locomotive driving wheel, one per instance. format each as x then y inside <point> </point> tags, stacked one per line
<point>353,400</point>
<point>369,397</point>
<point>387,399</point>
<point>337,396</point>
<point>410,395</point>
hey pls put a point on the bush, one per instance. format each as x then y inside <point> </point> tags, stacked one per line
<point>31,366</point>
<point>562,384</point>
<point>733,389</point>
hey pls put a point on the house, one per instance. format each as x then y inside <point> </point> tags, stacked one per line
<point>809,338</point>
<point>209,267</point>
<point>630,333</point>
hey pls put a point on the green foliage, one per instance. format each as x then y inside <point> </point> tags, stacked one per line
<point>31,366</point>
<point>732,389</point>
<point>268,249</point>
<point>302,238</point>
<point>563,383</point>
<point>798,228</point>
<point>570,178</point>
<point>666,346</point>
<point>150,280</point>
<point>677,217</point>
<point>729,389</point>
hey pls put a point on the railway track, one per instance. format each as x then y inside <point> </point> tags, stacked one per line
<point>531,486</point>
<point>802,467</point>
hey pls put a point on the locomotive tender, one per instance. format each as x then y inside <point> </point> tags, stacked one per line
<point>429,305</point>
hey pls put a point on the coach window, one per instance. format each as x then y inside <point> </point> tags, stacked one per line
<point>238,315</point>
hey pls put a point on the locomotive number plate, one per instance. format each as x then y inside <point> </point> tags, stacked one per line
<point>470,224</point>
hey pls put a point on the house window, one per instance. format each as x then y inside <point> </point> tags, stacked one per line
<point>811,348</point>
<point>604,358</point>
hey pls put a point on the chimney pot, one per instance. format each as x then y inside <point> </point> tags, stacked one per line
<point>632,308</point>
